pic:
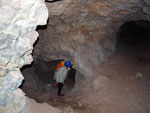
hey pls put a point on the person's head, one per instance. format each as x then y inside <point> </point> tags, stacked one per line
<point>68,64</point>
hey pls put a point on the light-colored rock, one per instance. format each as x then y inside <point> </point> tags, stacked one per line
<point>18,21</point>
<point>139,75</point>
<point>41,108</point>
<point>100,83</point>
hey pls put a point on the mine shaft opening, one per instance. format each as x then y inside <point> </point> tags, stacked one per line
<point>133,41</point>
<point>39,80</point>
<point>134,36</point>
<point>133,48</point>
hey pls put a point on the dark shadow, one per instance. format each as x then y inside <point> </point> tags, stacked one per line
<point>21,84</point>
<point>134,35</point>
<point>39,78</point>
<point>52,1</point>
<point>133,41</point>
<point>70,80</point>
<point>42,27</point>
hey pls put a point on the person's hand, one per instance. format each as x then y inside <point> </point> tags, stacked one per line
<point>56,84</point>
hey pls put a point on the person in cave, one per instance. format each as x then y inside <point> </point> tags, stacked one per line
<point>60,76</point>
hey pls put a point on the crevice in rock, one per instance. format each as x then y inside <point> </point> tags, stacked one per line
<point>51,1</point>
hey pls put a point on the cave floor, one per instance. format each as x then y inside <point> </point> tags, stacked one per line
<point>127,89</point>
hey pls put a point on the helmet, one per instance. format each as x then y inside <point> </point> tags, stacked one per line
<point>62,63</point>
<point>68,64</point>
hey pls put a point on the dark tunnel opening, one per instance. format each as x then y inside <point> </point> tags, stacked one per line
<point>134,35</point>
<point>129,66</point>
<point>39,80</point>
<point>133,39</point>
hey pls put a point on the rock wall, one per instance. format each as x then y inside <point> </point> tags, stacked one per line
<point>84,31</point>
<point>80,30</point>
<point>18,22</point>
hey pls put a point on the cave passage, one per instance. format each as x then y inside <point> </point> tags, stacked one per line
<point>134,40</point>
<point>129,67</point>
<point>39,80</point>
<point>134,35</point>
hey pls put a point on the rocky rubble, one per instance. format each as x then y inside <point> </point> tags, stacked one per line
<point>18,21</point>
<point>41,108</point>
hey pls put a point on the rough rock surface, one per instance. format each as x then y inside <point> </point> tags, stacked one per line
<point>84,31</point>
<point>81,30</point>
<point>18,21</point>
<point>41,108</point>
